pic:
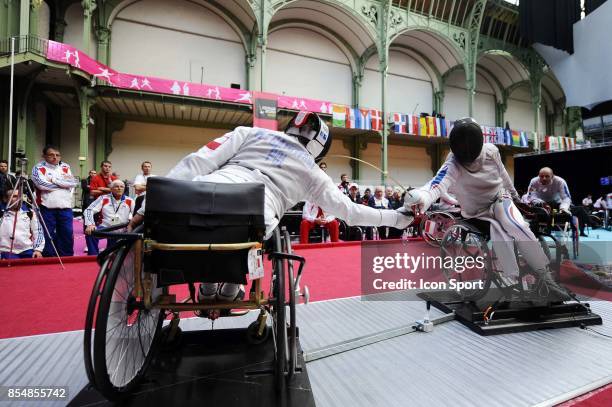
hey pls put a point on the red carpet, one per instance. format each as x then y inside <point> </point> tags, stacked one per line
<point>55,300</point>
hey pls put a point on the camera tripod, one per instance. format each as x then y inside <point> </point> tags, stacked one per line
<point>16,202</point>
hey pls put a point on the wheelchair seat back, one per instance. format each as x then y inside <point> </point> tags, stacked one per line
<point>188,212</point>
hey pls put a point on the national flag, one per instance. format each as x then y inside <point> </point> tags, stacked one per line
<point>422,126</point>
<point>507,136</point>
<point>365,119</point>
<point>430,227</point>
<point>339,115</point>
<point>571,143</point>
<point>377,120</point>
<point>431,126</point>
<point>524,139</point>
<point>438,129</point>
<point>442,127</point>
<point>516,138</point>
<point>416,124</point>
<point>353,119</point>
<point>399,123</point>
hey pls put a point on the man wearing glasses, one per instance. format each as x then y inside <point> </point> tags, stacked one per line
<point>55,185</point>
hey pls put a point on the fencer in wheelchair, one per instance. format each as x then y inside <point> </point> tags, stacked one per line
<point>239,186</point>
<point>485,192</point>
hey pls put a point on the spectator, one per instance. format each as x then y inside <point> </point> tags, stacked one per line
<point>140,182</point>
<point>344,184</point>
<point>7,180</point>
<point>588,201</point>
<point>86,198</point>
<point>367,194</point>
<point>28,239</point>
<point>394,202</point>
<point>323,166</point>
<point>113,209</point>
<point>378,201</point>
<point>100,184</point>
<point>313,216</point>
<point>354,193</point>
<point>398,195</point>
<point>55,184</point>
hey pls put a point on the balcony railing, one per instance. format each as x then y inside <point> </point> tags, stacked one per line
<point>23,44</point>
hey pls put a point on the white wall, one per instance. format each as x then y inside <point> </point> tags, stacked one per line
<point>73,34</point>
<point>408,84</point>
<point>456,99</point>
<point>303,63</point>
<point>44,17</point>
<point>338,166</point>
<point>162,144</point>
<point>175,40</point>
<point>520,110</point>
<point>410,166</point>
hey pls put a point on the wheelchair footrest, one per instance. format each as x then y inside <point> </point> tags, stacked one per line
<point>517,316</point>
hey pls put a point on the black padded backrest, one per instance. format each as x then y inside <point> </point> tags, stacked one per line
<point>203,212</point>
<point>184,212</point>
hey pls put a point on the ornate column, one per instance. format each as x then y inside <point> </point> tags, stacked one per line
<point>103,36</point>
<point>88,8</point>
<point>60,28</point>
<point>24,17</point>
<point>86,101</point>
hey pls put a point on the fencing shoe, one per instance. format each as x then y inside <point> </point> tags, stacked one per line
<point>207,292</point>
<point>229,292</point>
<point>549,288</point>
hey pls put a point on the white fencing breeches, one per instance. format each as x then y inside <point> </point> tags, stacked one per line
<point>509,228</point>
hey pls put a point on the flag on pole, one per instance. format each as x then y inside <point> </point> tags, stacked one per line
<point>422,126</point>
<point>524,139</point>
<point>339,116</point>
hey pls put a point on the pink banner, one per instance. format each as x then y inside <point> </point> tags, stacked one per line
<point>69,55</point>
<point>311,105</point>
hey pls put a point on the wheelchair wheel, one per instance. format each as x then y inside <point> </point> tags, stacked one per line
<point>279,324</point>
<point>596,221</point>
<point>439,222</point>
<point>92,309</point>
<point>460,240</point>
<point>126,334</point>
<point>292,312</point>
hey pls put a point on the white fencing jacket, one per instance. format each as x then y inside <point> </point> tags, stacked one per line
<point>113,211</point>
<point>476,187</point>
<point>310,212</point>
<point>28,232</point>
<point>55,184</point>
<point>287,170</point>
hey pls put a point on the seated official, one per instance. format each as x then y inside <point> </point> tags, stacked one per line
<point>24,239</point>
<point>312,216</point>
<point>113,209</point>
<point>552,189</point>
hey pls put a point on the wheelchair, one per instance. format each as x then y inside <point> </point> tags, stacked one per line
<point>548,224</point>
<point>470,238</point>
<point>207,234</point>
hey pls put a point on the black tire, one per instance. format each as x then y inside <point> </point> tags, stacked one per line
<point>253,336</point>
<point>140,331</point>
<point>92,309</point>
<point>292,314</point>
<point>461,240</point>
<point>279,320</point>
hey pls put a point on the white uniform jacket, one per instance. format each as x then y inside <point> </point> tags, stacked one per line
<point>28,232</point>
<point>55,184</point>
